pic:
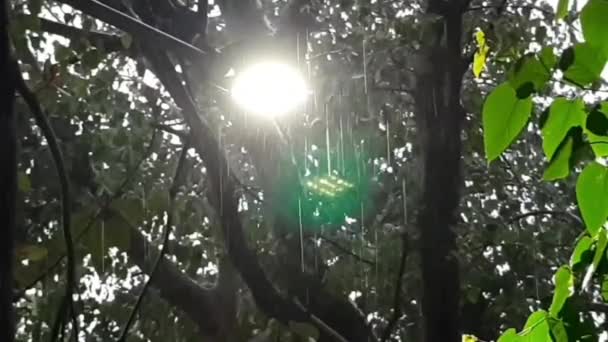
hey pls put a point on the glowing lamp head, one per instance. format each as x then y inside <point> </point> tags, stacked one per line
<point>269,89</point>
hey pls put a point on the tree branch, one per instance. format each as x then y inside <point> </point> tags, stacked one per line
<point>141,31</point>
<point>543,213</point>
<point>346,250</point>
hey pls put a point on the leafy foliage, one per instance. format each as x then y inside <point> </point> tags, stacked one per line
<point>121,134</point>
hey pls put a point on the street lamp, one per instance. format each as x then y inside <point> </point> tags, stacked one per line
<point>269,89</point>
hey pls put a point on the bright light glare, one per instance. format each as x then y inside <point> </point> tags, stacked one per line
<point>269,89</point>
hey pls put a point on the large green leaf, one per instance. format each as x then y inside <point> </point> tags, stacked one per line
<point>504,116</point>
<point>593,21</point>
<point>559,166</point>
<point>564,288</point>
<point>586,65</point>
<point>530,69</point>
<point>600,248</point>
<point>536,328</point>
<point>510,335</point>
<point>592,196</point>
<point>558,330</point>
<point>563,115</point>
<point>583,245</point>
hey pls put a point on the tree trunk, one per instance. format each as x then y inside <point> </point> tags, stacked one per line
<point>8,179</point>
<point>439,117</point>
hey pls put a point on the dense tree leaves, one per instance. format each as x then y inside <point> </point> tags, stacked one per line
<point>504,116</point>
<point>360,61</point>
<point>591,194</point>
<point>593,22</point>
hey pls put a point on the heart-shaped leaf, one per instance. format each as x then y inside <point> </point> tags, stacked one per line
<point>592,196</point>
<point>504,116</point>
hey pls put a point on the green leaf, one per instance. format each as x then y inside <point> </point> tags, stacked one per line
<point>559,167</point>
<point>563,115</point>
<point>600,247</point>
<point>605,287</point>
<point>593,21</point>
<point>24,182</point>
<point>31,252</point>
<point>583,245</point>
<point>504,116</point>
<point>469,338</point>
<point>537,327</point>
<point>126,40</point>
<point>566,59</point>
<point>597,123</point>
<point>564,288</point>
<point>547,58</point>
<point>530,69</point>
<point>479,60</point>
<point>558,330</point>
<point>509,336</point>
<point>587,65</point>
<point>592,196</point>
<point>562,9</point>
<point>599,144</point>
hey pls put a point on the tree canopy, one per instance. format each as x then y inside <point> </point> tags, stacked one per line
<point>445,179</point>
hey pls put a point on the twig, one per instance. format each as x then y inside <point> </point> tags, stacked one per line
<point>397,296</point>
<point>529,7</point>
<point>346,250</point>
<point>170,130</point>
<point>545,212</point>
<point>172,194</point>
<point>30,98</point>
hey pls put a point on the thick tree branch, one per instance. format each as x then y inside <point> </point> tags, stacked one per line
<point>141,31</point>
<point>49,134</point>
<point>174,286</point>
<point>223,197</point>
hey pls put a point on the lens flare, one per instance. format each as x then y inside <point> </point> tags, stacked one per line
<point>269,89</point>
